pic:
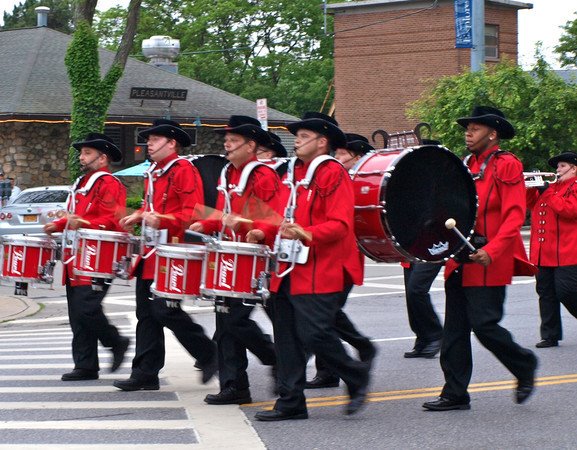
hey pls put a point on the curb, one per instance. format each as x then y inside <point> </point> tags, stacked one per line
<point>12,308</point>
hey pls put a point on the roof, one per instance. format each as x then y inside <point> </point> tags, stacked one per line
<point>569,75</point>
<point>33,82</point>
<point>383,4</point>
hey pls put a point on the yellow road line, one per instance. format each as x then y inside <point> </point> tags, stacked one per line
<point>377,397</point>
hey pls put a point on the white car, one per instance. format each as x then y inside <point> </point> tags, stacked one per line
<point>33,208</point>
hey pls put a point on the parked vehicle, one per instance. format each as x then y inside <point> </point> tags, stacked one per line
<point>33,208</point>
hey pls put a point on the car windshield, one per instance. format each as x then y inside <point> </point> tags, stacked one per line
<point>42,197</point>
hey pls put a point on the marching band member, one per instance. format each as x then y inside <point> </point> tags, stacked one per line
<point>236,332</point>
<point>357,146</point>
<point>173,188</point>
<point>554,246</point>
<point>271,149</point>
<point>475,291</point>
<point>97,202</point>
<point>308,298</point>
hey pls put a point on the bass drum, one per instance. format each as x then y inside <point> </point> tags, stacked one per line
<point>403,198</point>
<point>209,167</point>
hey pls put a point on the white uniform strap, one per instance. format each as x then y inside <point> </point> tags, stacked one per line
<point>306,181</point>
<point>244,176</point>
<point>71,201</point>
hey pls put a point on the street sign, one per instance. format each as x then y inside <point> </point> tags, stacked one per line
<point>262,112</point>
<point>463,24</point>
<point>144,93</point>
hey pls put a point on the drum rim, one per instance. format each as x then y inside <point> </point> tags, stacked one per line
<point>180,250</point>
<point>108,235</point>
<point>244,248</point>
<point>29,241</point>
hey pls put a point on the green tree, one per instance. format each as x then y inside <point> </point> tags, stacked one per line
<point>541,106</point>
<point>23,15</point>
<point>253,48</point>
<point>567,48</point>
<point>92,93</point>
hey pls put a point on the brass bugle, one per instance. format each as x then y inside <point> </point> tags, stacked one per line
<point>538,179</point>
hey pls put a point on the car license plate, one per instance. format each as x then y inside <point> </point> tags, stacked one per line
<point>29,218</point>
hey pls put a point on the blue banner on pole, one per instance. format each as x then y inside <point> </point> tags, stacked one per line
<point>464,23</point>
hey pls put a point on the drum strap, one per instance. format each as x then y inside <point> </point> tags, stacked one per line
<point>306,181</point>
<point>244,177</point>
<point>86,188</point>
<point>153,173</point>
<point>481,174</point>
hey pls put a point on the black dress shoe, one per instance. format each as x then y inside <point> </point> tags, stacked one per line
<point>80,374</point>
<point>321,382</point>
<point>209,369</point>
<point>229,396</point>
<point>356,402</point>
<point>132,384</point>
<point>118,352</point>
<point>274,415</point>
<point>546,343</point>
<point>428,351</point>
<point>526,386</point>
<point>445,404</point>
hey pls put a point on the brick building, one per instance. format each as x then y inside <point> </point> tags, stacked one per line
<point>385,51</point>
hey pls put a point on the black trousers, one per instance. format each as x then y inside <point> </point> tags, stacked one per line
<point>479,309</point>
<point>236,333</point>
<point>306,322</point>
<point>348,333</point>
<point>89,325</point>
<point>153,315</point>
<point>556,286</point>
<point>423,319</point>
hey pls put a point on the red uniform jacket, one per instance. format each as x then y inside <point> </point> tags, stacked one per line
<point>326,210</point>
<point>501,213</point>
<point>103,206</point>
<point>259,202</point>
<point>176,192</point>
<point>554,224</point>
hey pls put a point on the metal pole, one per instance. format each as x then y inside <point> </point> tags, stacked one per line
<point>478,50</point>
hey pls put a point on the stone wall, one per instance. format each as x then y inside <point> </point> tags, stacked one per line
<point>35,154</point>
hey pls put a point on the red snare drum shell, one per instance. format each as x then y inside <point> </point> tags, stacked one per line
<point>98,251</point>
<point>178,271</point>
<point>232,269</point>
<point>24,257</point>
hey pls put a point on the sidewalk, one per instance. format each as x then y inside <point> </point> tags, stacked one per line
<point>16,307</point>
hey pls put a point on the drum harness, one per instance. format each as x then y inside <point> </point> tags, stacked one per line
<point>294,251</point>
<point>69,237</point>
<point>151,237</point>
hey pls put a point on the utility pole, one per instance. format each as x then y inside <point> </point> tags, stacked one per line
<point>478,50</point>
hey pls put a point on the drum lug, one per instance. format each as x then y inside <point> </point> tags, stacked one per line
<point>46,272</point>
<point>122,268</point>
<point>261,284</point>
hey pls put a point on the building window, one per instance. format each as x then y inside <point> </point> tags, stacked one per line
<point>491,42</point>
<point>115,133</point>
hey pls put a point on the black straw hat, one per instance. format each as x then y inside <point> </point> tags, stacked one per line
<point>492,117</point>
<point>275,144</point>
<point>248,127</point>
<point>568,157</point>
<point>358,144</point>
<point>102,143</point>
<point>322,124</point>
<point>167,128</point>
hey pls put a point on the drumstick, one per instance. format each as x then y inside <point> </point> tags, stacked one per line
<point>306,235</point>
<point>451,224</point>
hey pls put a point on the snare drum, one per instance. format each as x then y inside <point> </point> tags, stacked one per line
<point>28,259</point>
<point>403,198</point>
<point>236,270</point>
<point>102,254</point>
<point>178,271</point>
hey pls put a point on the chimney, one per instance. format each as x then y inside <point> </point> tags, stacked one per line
<point>161,51</point>
<point>42,16</point>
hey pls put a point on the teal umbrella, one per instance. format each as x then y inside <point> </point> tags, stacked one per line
<point>134,171</point>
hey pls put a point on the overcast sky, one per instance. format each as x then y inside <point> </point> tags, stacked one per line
<point>542,23</point>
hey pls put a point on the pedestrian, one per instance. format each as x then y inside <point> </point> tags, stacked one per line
<point>173,187</point>
<point>15,190</point>
<point>309,297</point>
<point>97,202</point>
<point>357,146</point>
<point>235,331</point>
<point>554,246</point>
<point>476,290</point>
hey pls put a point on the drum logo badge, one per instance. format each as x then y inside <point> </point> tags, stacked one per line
<point>176,274</point>
<point>17,260</point>
<point>439,249</point>
<point>226,268</point>
<point>90,251</point>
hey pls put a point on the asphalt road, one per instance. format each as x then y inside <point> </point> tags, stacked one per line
<point>392,419</point>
